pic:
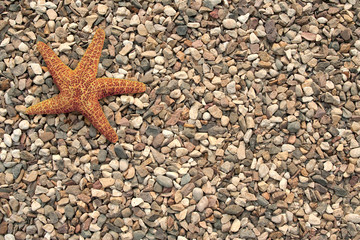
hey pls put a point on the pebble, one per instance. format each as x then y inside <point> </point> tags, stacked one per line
<point>354,218</point>
<point>169,11</point>
<point>254,39</point>
<point>355,153</point>
<point>231,88</point>
<point>314,220</point>
<point>23,47</point>
<point>123,165</point>
<point>202,204</point>
<point>36,68</point>
<point>7,140</point>
<point>197,194</point>
<point>229,23</point>
<point>181,75</point>
<point>24,125</point>
<point>293,127</point>
<point>233,210</point>
<point>164,181</point>
<point>9,237</point>
<point>137,121</point>
<point>263,170</point>
<point>102,9</point>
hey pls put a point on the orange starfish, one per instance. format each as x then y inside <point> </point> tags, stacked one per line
<point>80,90</point>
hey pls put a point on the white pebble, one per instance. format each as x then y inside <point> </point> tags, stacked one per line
<point>169,11</point>
<point>7,140</point>
<point>229,23</point>
<point>24,125</point>
<point>16,135</point>
<point>137,121</point>
<point>23,47</point>
<point>254,38</point>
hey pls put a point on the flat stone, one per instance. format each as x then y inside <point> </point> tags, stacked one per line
<point>355,153</point>
<point>164,181</point>
<point>314,220</point>
<point>169,11</point>
<point>293,127</point>
<point>202,204</point>
<point>233,209</point>
<point>354,218</point>
<point>120,152</point>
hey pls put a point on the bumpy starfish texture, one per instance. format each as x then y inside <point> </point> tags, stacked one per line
<point>80,90</point>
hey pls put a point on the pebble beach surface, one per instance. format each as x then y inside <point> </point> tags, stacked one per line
<point>249,127</point>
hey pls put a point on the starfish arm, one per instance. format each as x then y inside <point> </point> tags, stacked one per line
<point>91,109</point>
<point>104,87</point>
<point>58,70</point>
<point>58,104</point>
<point>87,67</point>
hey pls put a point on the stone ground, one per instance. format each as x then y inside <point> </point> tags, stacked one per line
<point>249,127</point>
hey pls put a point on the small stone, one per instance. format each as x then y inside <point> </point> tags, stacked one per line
<point>23,47</point>
<point>142,30</point>
<point>102,9</point>
<point>294,127</point>
<point>149,54</point>
<point>24,125</point>
<point>328,166</point>
<point>35,206</point>
<point>243,18</point>
<point>19,69</point>
<point>124,165</point>
<point>138,235</point>
<point>7,140</point>
<point>135,20</point>
<point>48,228</point>
<point>314,220</point>
<point>181,30</point>
<point>31,177</point>
<point>107,182</point>
<point>233,209</point>
<point>202,204</point>
<point>46,136</point>
<point>126,49</point>
<point>9,237</point>
<point>215,111</point>
<point>180,152</point>
<point>308,36</point>
<point>69,211</point>
<point>98,193</point>
<point>229,23</point>
<point>36,68</point>
<point>51,14</point>
<point>164,181</point>
<point>136,202</point>
<point>197,194</point>
<point>169,11</point>
<point>235,226</point>
<point>181,75</point>
<point>253,38</point>
<point>136,122</point>
<point>248,234</point>
<point>355,153</point>
<point>226,167</point>
<point>231,87</point>
<point>354,218</point>
<point>263,170</point>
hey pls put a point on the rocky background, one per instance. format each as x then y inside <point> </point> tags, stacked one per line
<point>249,128</point>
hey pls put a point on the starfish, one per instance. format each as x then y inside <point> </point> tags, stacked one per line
<point>80,90</point>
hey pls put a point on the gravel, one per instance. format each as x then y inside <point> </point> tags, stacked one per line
<point>248,129</point>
